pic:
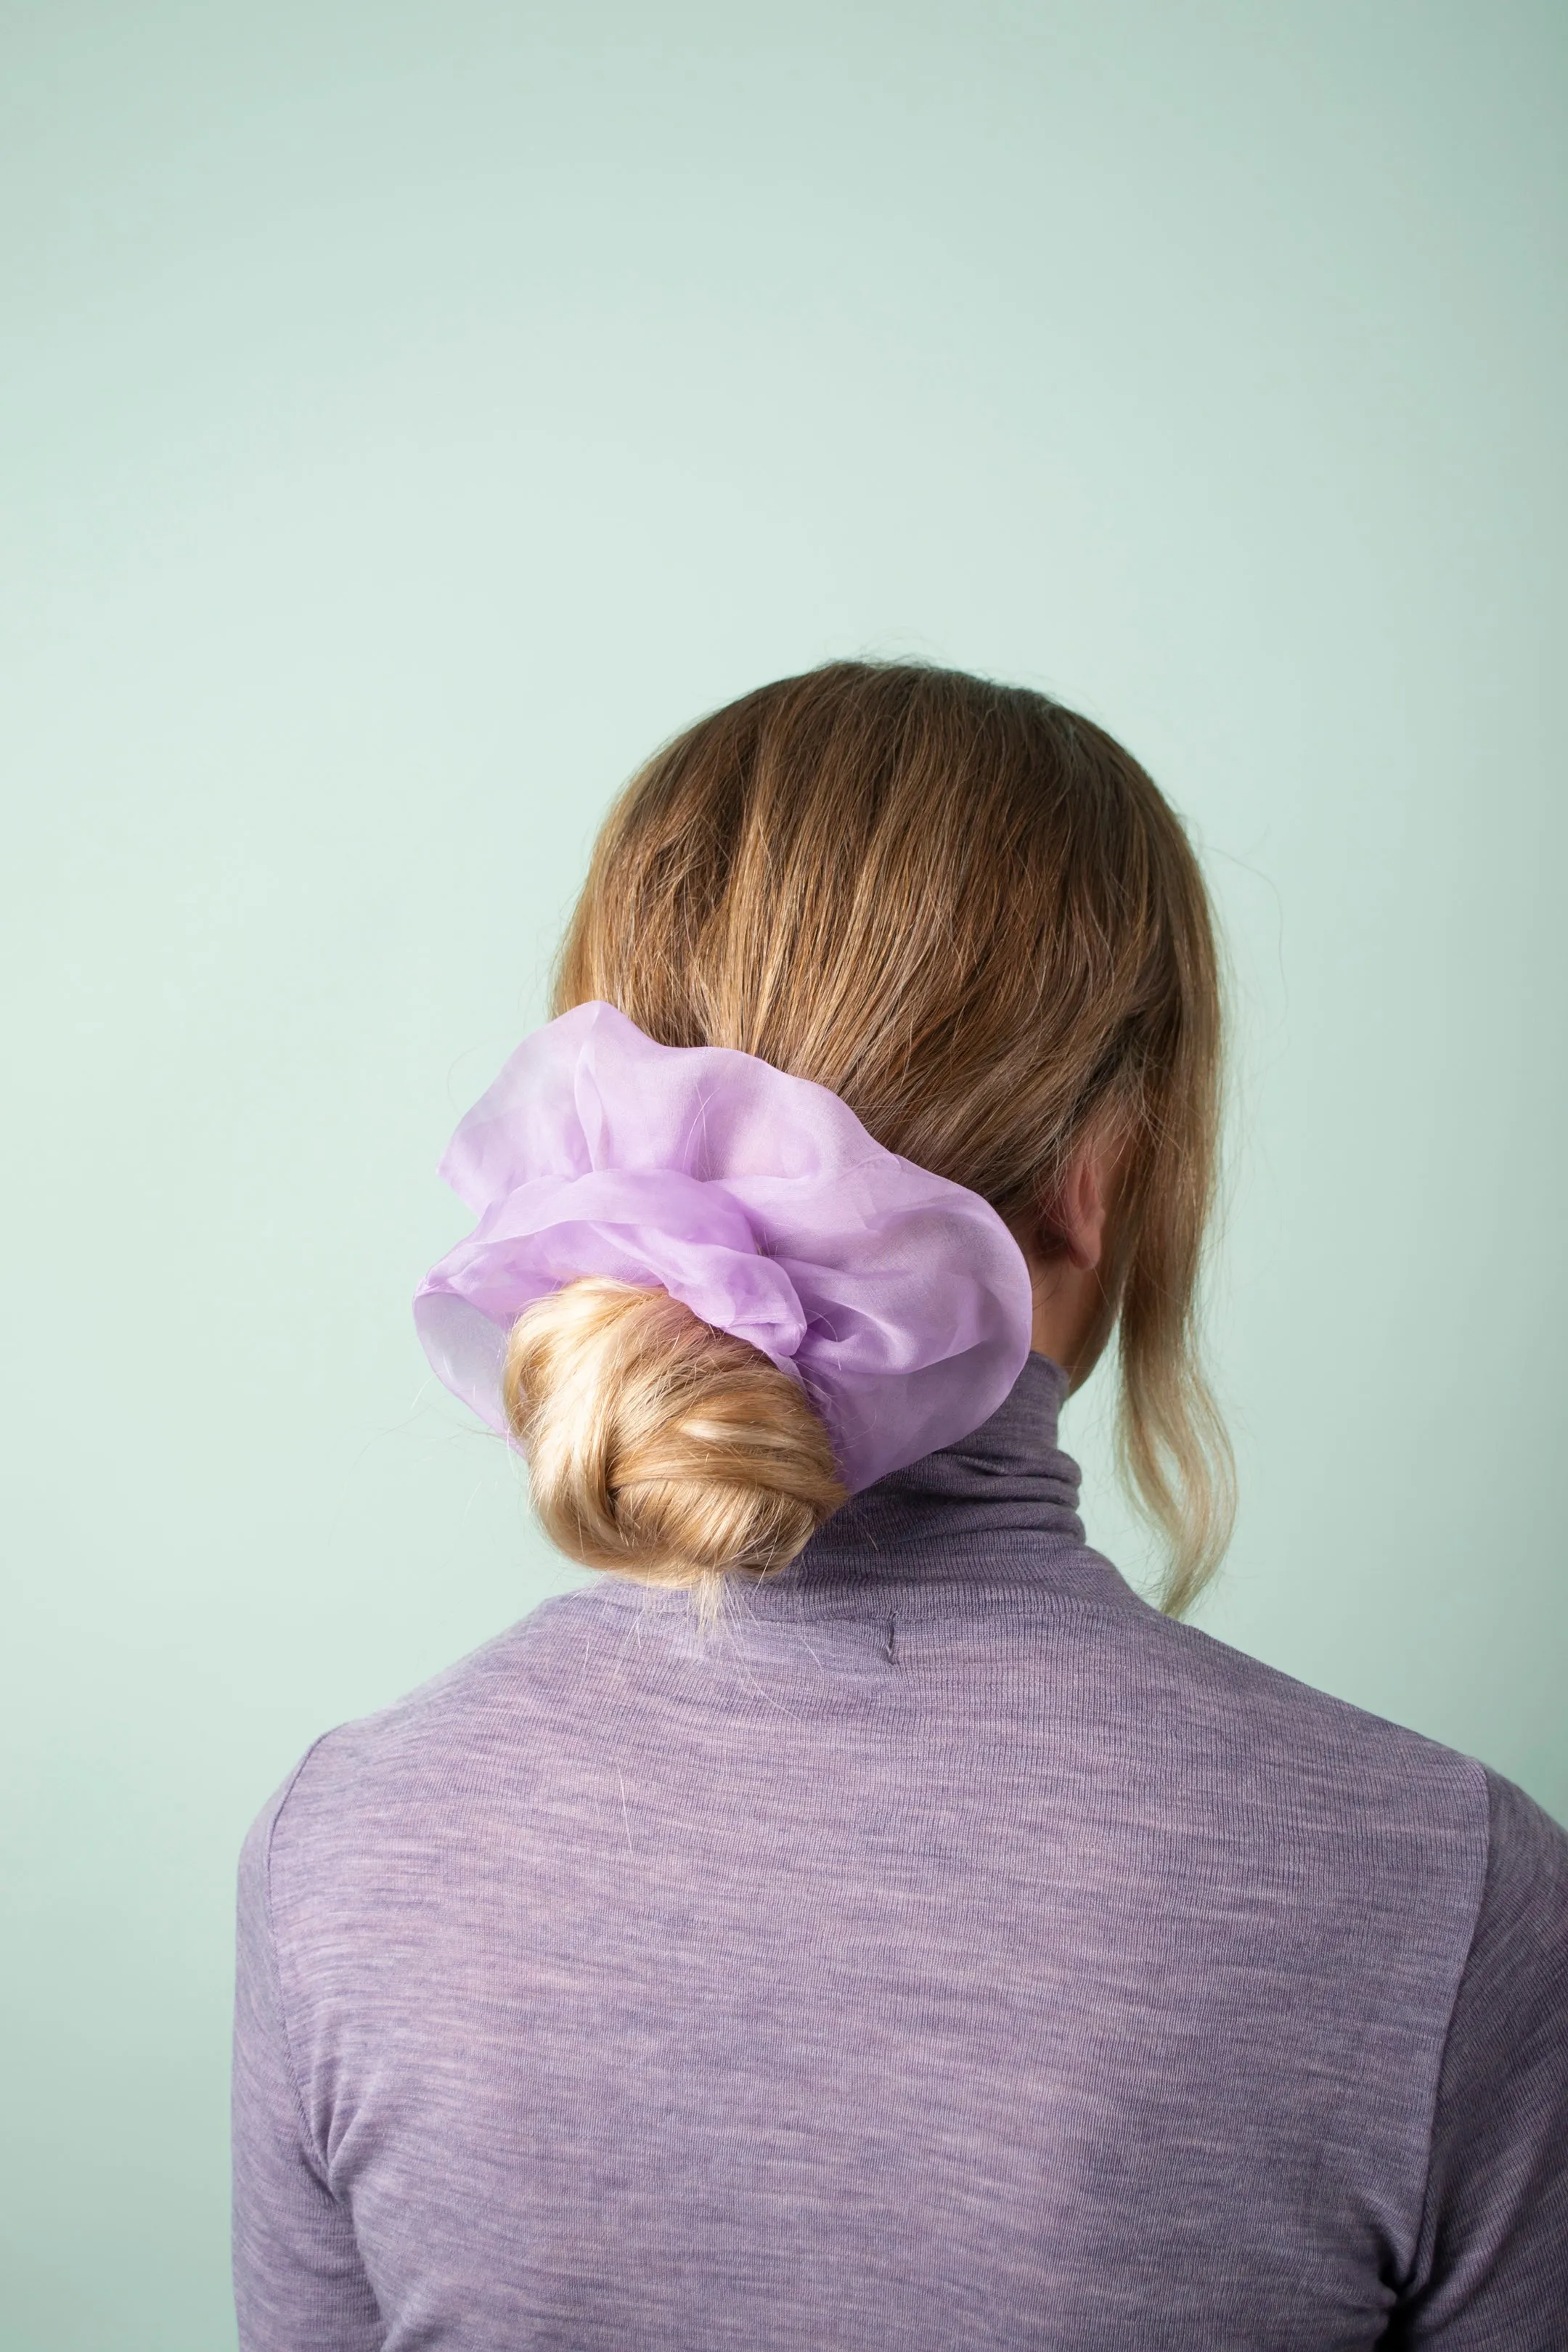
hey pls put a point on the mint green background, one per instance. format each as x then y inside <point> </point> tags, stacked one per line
<point>410,416</point>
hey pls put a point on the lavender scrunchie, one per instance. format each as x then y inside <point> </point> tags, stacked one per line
<point>900,1300</point>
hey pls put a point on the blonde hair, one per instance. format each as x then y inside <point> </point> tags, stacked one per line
<point>659,1445</point>
<point>971,914</point>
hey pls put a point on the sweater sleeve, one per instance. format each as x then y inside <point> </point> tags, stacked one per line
<point>300,2285</point>
<point>1491,2274</point>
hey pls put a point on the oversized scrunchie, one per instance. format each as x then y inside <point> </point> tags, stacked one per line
<point>899,1299</point>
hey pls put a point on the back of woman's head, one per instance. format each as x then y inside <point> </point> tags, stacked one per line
<point>969,913</point>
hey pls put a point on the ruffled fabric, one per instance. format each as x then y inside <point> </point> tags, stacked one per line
<point>900,1300</point>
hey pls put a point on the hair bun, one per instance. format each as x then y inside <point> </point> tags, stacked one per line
<point>659,1445</point>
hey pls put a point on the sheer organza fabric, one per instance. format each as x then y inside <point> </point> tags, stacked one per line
<point>899,1299</point>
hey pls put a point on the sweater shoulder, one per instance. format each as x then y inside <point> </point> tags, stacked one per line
<point>1259,1722</point>
<point>429,1740</point>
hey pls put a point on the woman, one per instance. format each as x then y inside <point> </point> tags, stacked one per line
<point>855,1918</point>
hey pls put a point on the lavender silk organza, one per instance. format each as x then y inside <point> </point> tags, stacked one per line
<point>900,1300</point>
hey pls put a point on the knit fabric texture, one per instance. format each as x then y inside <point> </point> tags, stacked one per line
<point>949,1951</point>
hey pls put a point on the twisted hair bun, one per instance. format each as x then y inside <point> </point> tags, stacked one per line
<point>659,1445</point>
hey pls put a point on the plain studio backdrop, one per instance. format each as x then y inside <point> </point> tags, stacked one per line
<point>412,414</point>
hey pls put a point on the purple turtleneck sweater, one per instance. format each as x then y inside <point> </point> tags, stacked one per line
<point>950,1952</point>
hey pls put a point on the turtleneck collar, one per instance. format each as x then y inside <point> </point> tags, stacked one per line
<point>1009,1474</point>
<point>998,1509</point>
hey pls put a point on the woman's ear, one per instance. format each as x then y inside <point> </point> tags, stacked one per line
<point>1072,1225</point>
<point>1074,1315</point>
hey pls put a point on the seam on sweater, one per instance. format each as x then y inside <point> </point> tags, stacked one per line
<point>1041,1600</point>
<point>1401,2299</point>
<point>307,2137</point>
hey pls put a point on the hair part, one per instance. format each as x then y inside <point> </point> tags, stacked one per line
<point>970,913</point>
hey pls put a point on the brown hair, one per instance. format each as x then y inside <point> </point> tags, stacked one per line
<point>971,914</point>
